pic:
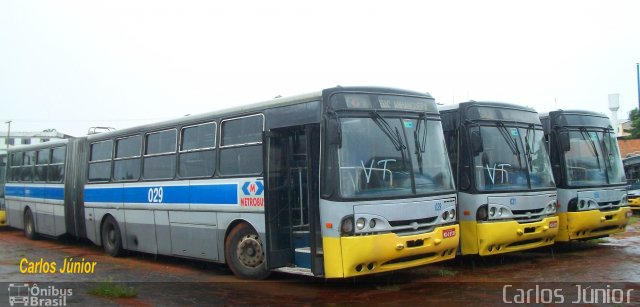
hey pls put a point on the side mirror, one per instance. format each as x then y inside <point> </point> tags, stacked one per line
<point>476,140</point>
<point>565,145</point>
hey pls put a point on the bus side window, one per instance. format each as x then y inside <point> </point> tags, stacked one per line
<point>197,156</point>
<point>160,155</point>
<point>100,161</point>
<point>241,145</point>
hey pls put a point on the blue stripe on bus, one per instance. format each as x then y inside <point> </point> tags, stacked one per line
<point>56,193</point>
<point>225,194</point>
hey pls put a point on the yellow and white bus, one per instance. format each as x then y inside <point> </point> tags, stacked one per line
<point>506,193</point>
<point>343,182</point>
<point>588,172</point>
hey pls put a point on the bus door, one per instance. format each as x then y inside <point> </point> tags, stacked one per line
<point>290,236</point>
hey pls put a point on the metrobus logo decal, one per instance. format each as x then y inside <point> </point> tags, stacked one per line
<point>252,194</point>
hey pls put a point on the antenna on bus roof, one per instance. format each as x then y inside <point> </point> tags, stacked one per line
<point>96,130</point>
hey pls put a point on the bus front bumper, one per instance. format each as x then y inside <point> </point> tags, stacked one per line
<point>370,254</point>
<point>634,203</point>
<point>3,218</point>
<point>592,224</point>
<point>492,238</point>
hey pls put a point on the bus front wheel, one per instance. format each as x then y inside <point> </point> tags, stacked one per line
<point>245,253</point>
<point>29,225</point>
<point>111,239</point>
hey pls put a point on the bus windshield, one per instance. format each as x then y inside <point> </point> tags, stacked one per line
<point>512,158</point>
<point>593,159</point>
<point>382,157</point>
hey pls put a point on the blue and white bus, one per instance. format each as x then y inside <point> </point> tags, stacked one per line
<point>344,182</point>
<point>3,174</point>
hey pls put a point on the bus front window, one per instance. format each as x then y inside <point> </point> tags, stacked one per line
<point>540,167</point>
<point>614,165</point>
<point>584,160</point>
<point>377,156</point>
<point>512,157</point>
<point>428,153</point>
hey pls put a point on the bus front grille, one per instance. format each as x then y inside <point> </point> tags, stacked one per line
<point>528,216</point>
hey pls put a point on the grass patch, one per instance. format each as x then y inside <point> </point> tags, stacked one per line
<point>110,289</point>
<point>634,219</point>
<point>391,288</point>
<point>447,273</point>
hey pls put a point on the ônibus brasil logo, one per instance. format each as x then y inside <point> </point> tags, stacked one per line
<point>21,294</point>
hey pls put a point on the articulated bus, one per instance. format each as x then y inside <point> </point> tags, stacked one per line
<point>588,172</point>
<point>506,193</point>
<point>3,174</point>
<point>344,182</point>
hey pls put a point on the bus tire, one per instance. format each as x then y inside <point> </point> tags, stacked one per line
<point>245,253</point>
<point>111,238</point>
<point>29,225</point>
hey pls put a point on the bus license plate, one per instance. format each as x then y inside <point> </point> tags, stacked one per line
<point>449,233</point>
<point>553,224</point>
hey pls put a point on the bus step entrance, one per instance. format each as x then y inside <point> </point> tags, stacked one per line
<point>302,255</point>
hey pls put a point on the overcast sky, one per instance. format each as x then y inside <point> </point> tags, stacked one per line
<point>70,65</point>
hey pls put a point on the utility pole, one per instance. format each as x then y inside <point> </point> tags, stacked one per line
<point>8,134</point>
<point>638,78</point>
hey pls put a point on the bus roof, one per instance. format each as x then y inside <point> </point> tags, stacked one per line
<point>49,144</point>
<point>251,108</point>
<point>484,104</point>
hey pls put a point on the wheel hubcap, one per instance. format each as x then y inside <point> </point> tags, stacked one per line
<point>250,251</point>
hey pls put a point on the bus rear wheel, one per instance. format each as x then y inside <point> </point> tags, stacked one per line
<point>29,226</point>
<point>245,253</point>
<point>111,239</point>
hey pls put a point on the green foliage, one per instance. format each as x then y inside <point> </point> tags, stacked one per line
<point>634,117</point>
<point>113,290</point>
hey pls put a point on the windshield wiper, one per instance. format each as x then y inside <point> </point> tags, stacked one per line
<point>510,141</point>
<point>585,136</point>
<point>394,136</point>
<point>528,148</point>
<point>421,146</point>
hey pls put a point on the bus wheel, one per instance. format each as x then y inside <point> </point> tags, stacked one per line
<point>111,239</point>
<point>245,253</point>
<point>29,225</point>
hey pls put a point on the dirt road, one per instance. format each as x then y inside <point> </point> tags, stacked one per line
<point>609,264</point>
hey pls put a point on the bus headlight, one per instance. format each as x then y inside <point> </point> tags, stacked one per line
<point>551,207</point>
<point>453,214</point>
<point>360,223</point>
<point>346,226</point>
<point>492,211</point>
<point>587,204</point>
<point>372,223</point>
<point>481,214</point>
<point>445,215</point>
